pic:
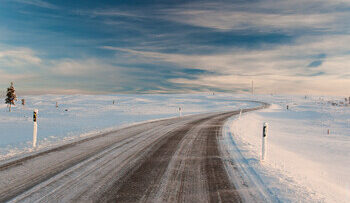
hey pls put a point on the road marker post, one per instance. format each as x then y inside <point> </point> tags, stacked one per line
<point>264,144</point>
<point>240,113</point>
<point>35,129</point>
<point>180,113</point>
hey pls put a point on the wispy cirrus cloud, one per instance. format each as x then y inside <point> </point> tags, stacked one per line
<point>263,16</point>
<point>38,3</point>
<point>284,46</point>
<point>5,77</point>
<point>80,68</point>
<point>241,20</point>
<point>283,64</point>
<point>18,57</point>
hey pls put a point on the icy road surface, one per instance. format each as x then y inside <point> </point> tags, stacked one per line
<point>168,160</point>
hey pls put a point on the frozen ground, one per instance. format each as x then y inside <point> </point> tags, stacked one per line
<point>91,114</point>
<point>304,163</point>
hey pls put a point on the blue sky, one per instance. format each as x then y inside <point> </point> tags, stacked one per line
<point>289,47</point>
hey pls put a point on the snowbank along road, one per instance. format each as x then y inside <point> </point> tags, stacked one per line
<point>171,160</point>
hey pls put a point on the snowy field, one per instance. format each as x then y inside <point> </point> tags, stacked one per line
<point>92,114</point>
<point>304,163</point>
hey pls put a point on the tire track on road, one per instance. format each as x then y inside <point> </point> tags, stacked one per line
<point>168,160</point>
<point>25,179</point>
<point>175,162</point>
<point>137,183</point>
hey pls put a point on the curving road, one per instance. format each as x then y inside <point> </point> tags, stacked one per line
<point>171,160</point>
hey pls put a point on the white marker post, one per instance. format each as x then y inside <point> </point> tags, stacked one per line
<point>180,113</point>
<point>35,130</point>
<point>240,113</point>
<point>264,137</point>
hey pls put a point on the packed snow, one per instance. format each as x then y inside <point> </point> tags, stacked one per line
<point>304,163</point>
<point>86,115</point>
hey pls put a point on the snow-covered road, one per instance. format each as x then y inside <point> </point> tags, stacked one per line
<point>169,160</point>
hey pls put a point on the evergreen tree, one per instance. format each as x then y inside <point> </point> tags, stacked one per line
<point>11,96</point>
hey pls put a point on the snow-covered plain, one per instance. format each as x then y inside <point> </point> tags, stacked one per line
<point>305,163</point>
<point>92,114</point>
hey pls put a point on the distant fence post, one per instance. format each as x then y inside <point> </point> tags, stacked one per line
<point>264,137</point>
<point>35,129</point>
